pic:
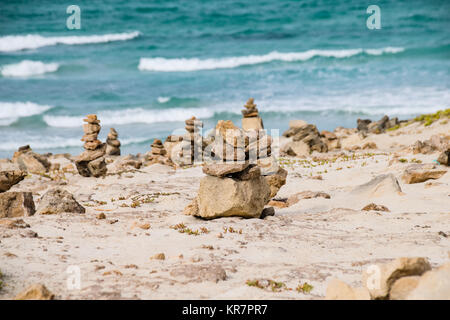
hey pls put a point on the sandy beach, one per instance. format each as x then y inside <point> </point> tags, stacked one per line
<point>128,244</point>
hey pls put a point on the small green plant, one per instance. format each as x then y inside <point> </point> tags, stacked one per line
<point>272,285</point>
<point>403,160</point>
<point>305,288</point>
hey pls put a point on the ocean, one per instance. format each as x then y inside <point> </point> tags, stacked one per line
<point>145,66</point>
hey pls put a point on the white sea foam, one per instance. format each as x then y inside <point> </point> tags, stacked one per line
<point>53,142</point>
<point>194,64</point>
<point>34,41</point>
<point>135,115</point>
<point>163,99</point>
<point>11,111</point>
<point>27,68</point>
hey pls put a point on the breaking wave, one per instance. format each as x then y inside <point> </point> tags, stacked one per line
<point>195,64</point>
<point>28,68</point>
<point>34,41</point>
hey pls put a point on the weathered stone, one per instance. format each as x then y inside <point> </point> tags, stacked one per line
<point>200,273</point>
<point>252,123</point>
<point>375,207</point>
<point>362,124</point>
<point>223,169</point>
<point>417,173</point>
<point>276,181</point>
<point>295,149</point>
<point>433,285</point>
<point>293,199</point>
<point>35,292</point>
<point>92,145</point>
<point>29,161</point>
<point>16,204</point>
<point>90,129</point>
<point>444,158</point>
<point>57,201</point>
<point>267,212</point>
<point>378,186</point>
<point>9,178</point>
<point>379,280</point>
<point>403,287</point>
<point>225,197</point>
<point>97,167</point>
<point>192,208</point>
<point>339,290</point>
<point>251,172</point>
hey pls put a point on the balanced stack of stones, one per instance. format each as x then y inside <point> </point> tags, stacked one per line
<point>91,163</point>
<point>158,154</point>
<point>158,148</point>
<point>112,143</point>
<point>192,145</point>
<point>251,119</point>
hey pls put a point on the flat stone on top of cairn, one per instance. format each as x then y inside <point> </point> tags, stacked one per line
<point>251,119</point>
<point>92,162</point>
<point>112,143</point>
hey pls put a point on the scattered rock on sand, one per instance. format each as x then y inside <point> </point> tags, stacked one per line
<point>305,139</point>
<point>9,178</point>
<point>276,181</point>
<point>417,172</point>
<point>35,292</point>
<point>30,161</point>
<point>200,273</point>
<point>403,287</point>
<point>293,199</point>
<point>16,204</point>
<point>389,273</point>
<point>339,290</point>
<point>375,207</point>
<point>14,224</point>
<point>159,256</point>
<point>433,285</point>
<point>444,158</point>
<point>384,184</point>
<point>58,201</point>
<point>267,212</point>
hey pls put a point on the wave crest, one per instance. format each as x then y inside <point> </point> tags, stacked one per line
<point>195,64</point>
<point>27,68</point>
<point>10,112</point>
<point>34,41</point>
<point>129,116</point>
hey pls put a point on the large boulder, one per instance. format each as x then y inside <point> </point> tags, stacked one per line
<point>433,285</point>
<point>305,139</point>
<point>444,158</point>
<point>9,178</point>
<point>378,186</point>
<point>35,292</point>
<point>226,197</point>
<point>27,160</point>
<point>417,172</point>
<point>380,279</point>
<point>403,287</point>
<point>16,204</point>
<point>276,181</point>
<point>58,201</point>
<point>339,290</point>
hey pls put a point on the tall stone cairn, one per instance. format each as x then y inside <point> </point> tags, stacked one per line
<point>158,148</point>
<point>251,119</point>
<point>91,163</point>
<point>112,143</point>
<point>192,141</point>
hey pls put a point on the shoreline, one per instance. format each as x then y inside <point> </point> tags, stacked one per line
<point>309,241</point>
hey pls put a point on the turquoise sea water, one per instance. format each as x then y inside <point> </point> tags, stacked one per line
<point>146,66</point>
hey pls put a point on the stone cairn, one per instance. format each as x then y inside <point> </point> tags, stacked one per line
<point>192,144</point>
<point>158,154</point>
<point>91,163</point>
<point>251,119</point>
<point>112,143</point>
